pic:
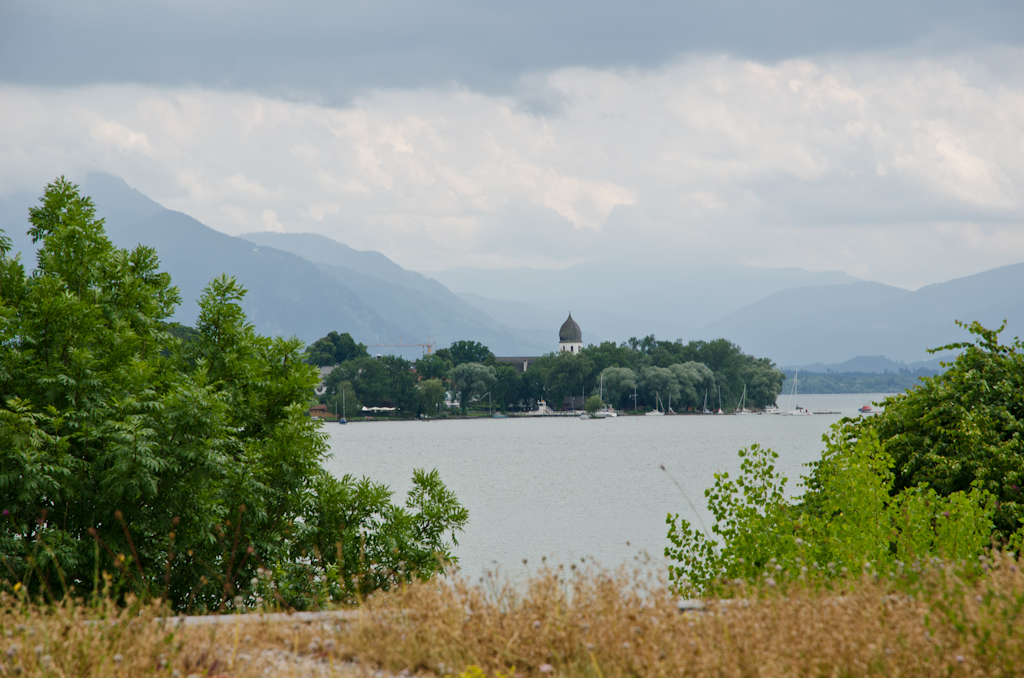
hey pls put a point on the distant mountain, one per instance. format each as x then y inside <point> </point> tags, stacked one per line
<point>421,306</point>
<point>828,324</point>
<point>287,294</point>
<point>872,364</point>
<point>614,300</point>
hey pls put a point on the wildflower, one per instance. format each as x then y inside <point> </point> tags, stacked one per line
<point>254,581</point>
<point>546,668</point>
<point>536,624</point>
<point>769,581</point>
<point>960,658</point>
<point>38,649</point>
<point>12,650</point>
<point>118,658</point>
<point>798,541</point>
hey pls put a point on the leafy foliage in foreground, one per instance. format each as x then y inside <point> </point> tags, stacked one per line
<point>178,468</point>
<point>938,473</point>
<point>964,427</point>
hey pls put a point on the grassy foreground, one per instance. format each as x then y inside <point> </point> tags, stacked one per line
<point>576,622</point>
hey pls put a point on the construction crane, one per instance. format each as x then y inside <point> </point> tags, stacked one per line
<point>427,347</point>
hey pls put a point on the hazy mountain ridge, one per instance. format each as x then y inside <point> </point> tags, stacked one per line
<point>614,300</point>
<point>289,294</point>
<point>420,305</point>
<point>830,323</point>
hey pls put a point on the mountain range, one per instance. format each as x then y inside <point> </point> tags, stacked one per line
<point>306,285</point>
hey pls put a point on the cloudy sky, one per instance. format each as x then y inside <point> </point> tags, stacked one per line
<point>885,139</point>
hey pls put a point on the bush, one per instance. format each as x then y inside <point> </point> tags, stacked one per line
<point>175,468</point>
<point>936,474</point>
<point>849,522</point>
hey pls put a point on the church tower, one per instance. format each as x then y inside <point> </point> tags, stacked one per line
<point>570,337</point>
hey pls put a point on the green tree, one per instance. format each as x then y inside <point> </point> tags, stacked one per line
<point>470,379</point>
<point>334,349</point>
<point>567,376</point>
<point>593,404</point>
<point>962,428</point>
<point>619,383</point>
<point>176,467</point>
<point>506,384</point>
<point>342,398</point>
<point>369,378</point>
<point>433,366</point>
<point>851,521</point>
<point>658,382</point>
<point>431,394</point>
<point>465,352</point>
<point>695,379</point>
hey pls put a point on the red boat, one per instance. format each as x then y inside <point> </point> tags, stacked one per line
<point>866,409</point>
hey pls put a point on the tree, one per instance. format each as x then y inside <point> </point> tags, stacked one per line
<point>567,375</point>
<point>401,387</point>
<point>431,394</point>
<point>433,366</point>
<point>506,384</point>
<point>342,398</point>
<point>695,379</point>
<point>175,467</point>
<point>658,382</point>
<point>334,349</point>
<point>619,383</point>
<point>963,428</point>
<point>462,352</point>
<point>471,379</point>
<point>593,404</point>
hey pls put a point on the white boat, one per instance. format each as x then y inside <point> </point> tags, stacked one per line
<point>584,416</point>
<point>796,411</point>
<point>743,401</point>
<point>607,410</point>
<point>719,411</point>
<point>705,410</point>
<point>656,412</point>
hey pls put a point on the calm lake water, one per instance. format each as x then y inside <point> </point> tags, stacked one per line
<point>566,488</point>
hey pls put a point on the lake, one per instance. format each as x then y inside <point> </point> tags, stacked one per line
<point>567,488</point>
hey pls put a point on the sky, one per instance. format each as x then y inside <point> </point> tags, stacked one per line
<point>884,139</point>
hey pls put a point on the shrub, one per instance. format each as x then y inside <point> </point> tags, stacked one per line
<point>178,468</point>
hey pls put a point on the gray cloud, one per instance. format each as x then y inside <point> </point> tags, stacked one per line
<point>329,51</point>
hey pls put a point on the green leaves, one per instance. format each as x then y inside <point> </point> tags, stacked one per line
<point>845,521</point>
<point>176,467</point>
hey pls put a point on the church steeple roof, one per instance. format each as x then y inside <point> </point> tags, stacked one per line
<point>570,331</point>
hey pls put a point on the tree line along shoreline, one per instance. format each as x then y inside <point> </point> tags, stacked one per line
<point>633,375</point>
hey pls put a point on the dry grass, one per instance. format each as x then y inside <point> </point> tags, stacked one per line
<point>571,622</point>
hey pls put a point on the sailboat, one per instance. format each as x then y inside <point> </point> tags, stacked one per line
<point>719,411</point>
<point>743,401</point>
<point>341,420</point>
<point>656,412</point>
<point>606,411</point>
<point>799,411</point>
<point>705,409</point>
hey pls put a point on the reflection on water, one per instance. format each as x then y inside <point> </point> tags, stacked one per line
<point>569,488</point>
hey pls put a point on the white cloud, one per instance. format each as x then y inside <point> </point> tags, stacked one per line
<point>906,171</point>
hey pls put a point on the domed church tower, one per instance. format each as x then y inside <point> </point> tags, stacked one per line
<point>570,337</point>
